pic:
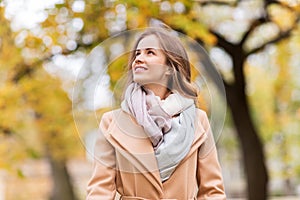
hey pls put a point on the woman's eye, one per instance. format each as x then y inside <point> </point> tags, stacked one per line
<point>151,52</point>
<point>137,53</point>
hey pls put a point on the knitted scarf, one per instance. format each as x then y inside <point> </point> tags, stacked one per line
<point>170,136</point>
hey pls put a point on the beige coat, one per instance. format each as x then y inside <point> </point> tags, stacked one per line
<point>125,163</point>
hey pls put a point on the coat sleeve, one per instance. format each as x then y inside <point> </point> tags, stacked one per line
<point>102,183</point>
<point>209,175</point>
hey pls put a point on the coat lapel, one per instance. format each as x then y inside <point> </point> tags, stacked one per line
<point>131,141</point>
<point>200,137</point>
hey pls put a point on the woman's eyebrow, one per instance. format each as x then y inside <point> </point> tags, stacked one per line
<point>147,49</point>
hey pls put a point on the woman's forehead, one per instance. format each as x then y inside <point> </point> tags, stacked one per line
<point>149,42</point>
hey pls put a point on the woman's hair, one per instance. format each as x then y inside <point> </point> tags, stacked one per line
<point>176,58</point>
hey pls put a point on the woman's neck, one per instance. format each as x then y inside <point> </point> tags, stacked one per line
<point>158,90</point>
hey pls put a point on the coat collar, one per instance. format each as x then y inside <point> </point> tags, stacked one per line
<point>130,140</point>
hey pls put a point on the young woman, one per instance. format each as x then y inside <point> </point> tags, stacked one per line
<point>158,145</point>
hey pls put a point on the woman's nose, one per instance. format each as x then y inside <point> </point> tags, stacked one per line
<point>139,58</point>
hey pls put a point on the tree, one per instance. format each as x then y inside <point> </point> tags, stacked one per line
<point>36,116</point>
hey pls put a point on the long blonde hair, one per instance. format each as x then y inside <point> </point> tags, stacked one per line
<point>176,58</point>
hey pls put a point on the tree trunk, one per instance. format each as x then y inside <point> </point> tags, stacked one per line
<point>252,149</point>
<point>62,187</point>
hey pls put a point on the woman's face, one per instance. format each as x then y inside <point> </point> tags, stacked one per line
<point>149,66</point>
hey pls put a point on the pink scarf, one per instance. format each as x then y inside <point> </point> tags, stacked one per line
<point>150,112</point>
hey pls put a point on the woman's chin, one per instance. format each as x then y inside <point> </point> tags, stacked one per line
<point>140,81</point>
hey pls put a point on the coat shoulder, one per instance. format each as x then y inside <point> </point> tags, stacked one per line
<point>107,119</point>
<point>201,113</point>
<point>201,119</point>
<point>109,114</point>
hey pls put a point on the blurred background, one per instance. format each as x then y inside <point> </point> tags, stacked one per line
<point>47,128</point>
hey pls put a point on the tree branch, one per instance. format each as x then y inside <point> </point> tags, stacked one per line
<point>285,5</point>
<point>282,35</point>
<point>210,68</point>
<point>253,26</point>
<point>23,69</point>
<point>222,42</point>
<point>238,57</point>
<point>216,2</point>
<point>265,19</point>
<point>5,130</point>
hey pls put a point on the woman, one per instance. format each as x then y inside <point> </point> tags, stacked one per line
<point>158,145</point>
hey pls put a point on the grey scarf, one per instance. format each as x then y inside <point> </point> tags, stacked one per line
<point>171,136</point>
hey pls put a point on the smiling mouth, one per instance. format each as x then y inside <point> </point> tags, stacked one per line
<point>140,69</point>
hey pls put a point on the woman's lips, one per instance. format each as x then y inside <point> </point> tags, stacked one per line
<point>140,68</point>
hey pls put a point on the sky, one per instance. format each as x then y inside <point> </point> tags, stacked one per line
<point>27,13</point>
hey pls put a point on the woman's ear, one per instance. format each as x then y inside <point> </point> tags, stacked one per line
<point>169,71</point>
